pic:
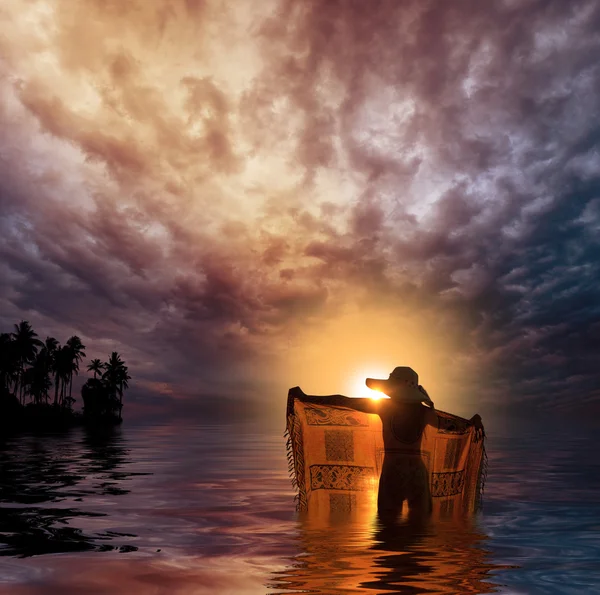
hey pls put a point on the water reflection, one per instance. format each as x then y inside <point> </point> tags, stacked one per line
<point>355,552</point>
<point>216,515</point>
<point>45,482</point>
<point>443,557</point>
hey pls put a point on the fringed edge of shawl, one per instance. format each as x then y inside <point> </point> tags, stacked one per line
<point>483,472</point>
<point>295,458</point>
<point>290,457</point>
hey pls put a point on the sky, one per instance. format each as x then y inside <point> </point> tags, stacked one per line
<point>240,197</point>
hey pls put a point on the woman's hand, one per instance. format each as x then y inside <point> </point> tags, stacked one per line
<point>478,425</point>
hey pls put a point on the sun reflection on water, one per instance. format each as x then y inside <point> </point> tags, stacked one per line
<point>210,509</point>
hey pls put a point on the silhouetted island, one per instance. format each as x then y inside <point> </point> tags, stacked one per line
<point>36,382</point>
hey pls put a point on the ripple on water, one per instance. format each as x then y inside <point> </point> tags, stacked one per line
<point>190,509</point>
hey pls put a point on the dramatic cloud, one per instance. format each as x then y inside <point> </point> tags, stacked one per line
<point>241,197</point>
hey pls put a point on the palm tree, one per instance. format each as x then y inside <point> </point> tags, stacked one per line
<point>96,366</point>
<point>50,345</point>
<point>76,353</point>
<point>62,367</point>
<point>25,344</point>
<point>8,363</point>
<point>112,371</point>
<point>116,379</point>
<point>123,384</point>
<point>49,350</point>
<point>36,379</point>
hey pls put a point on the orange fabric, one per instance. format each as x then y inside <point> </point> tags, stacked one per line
<point>337,454</point>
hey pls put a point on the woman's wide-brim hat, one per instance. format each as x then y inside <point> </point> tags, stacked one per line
<point>403,384</point>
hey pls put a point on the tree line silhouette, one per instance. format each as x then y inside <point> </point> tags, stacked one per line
<point>38,375</point>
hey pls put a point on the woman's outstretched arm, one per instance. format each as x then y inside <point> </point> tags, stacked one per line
<point>358,404</point>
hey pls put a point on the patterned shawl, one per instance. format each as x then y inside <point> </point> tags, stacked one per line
<point>335,456</point>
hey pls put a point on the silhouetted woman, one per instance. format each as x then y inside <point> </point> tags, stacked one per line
<point>404,416</point>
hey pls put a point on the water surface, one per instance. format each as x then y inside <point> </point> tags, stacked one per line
<point>194,509</point>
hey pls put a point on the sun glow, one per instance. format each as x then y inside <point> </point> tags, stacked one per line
<point>360,389</point>
<point>337,355</point>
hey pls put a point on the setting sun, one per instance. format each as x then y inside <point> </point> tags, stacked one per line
<point>360,389</point>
